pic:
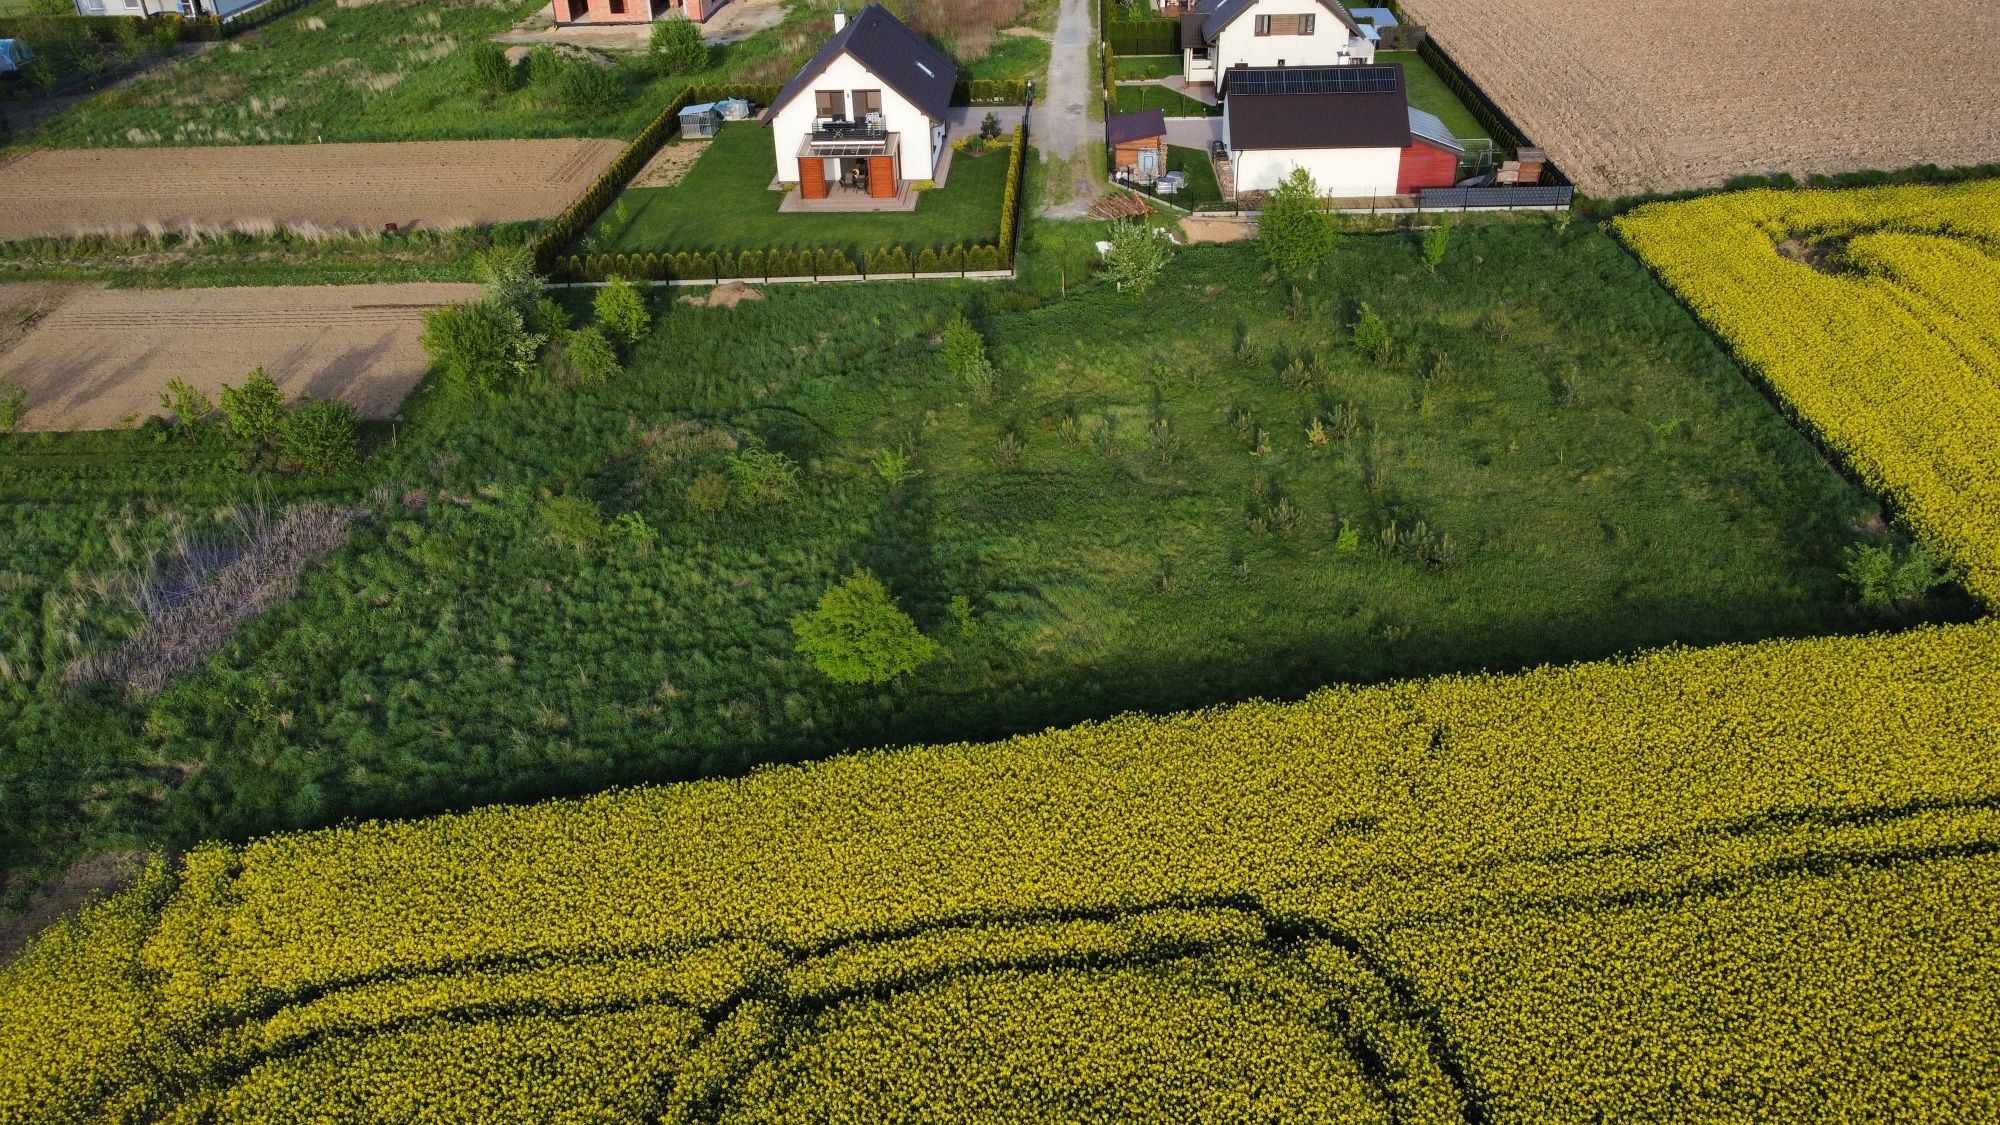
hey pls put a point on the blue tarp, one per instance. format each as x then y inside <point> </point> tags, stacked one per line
<point>14,55</point>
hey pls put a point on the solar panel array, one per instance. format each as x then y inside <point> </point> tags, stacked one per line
<point>1312,80</point>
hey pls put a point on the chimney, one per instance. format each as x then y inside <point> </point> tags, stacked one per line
<point>839,18</point>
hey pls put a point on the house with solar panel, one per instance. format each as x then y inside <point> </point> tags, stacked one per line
<point>866,116</point>
<point>1351,127</point>
<point>1217,35</point>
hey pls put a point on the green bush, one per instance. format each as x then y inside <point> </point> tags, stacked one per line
<point>857,635</point>
<point>591,357</point>
<point>487,68</point>
<point>256,411</point>
<point>480,348</point>
<point>1138,253</point>
<point>572,521</point>
<point>1437,241</point>
<point>544,65</point>
<point>13,405</point>
<point>763,477</point>
<point>1371,336</point>
<point>321,437</point>
<point>588,90</point>
<point>677,48</point>
<point>189,405</point>
<point>1893,574</point>
<point>621,313</point>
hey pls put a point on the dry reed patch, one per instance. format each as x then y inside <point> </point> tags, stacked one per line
<point>1630,98</point>
<point>191,606</point>
<point>100,359</point>
<point>352,186</point>
<point>968,25</point>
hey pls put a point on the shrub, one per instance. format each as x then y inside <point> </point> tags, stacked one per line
<point>571,521</point>
<point>763,477</point>
<point>256,411</point>
<point>964,356</point>
<point>545,66</point>
<point>1371,336</point>
<point>189,405</point>
<point>1893,574</point>
<point>1437,241</point>
<point>677,47</point>
<point>708,493</point>
<point>508,272</point>
<point>591,357</point>
<point>13,405</point>
<point>857,635</point>
<point>1138,253</point>
<point>479,348</point>
<point>1295,233</point>
<point>487,68</point>
<point>620,310</point>
<point>586,89</point>
<point>321,437</point>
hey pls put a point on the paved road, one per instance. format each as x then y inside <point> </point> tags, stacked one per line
<point>1061,124</point>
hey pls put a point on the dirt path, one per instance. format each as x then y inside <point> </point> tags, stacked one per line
<point>1062,118</point>
<point>340,186</point>
<point>101,357</point>
<point>83,883</point>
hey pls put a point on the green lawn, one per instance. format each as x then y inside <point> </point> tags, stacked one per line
<point>1011,56</point>
<point>1148,66</point>
<point>1429,93</point>
<point>723,204</point>
<point>1554,462</point>
<point>1201,186</point>
<point>1133,98</point>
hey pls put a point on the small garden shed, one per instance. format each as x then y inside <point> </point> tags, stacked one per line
<point>1138,145</point>
<point>704,120</point>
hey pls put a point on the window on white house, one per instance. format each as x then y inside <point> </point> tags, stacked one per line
<point>832,104</point>
<point>1285,25</point>
<point>1201,54</point>
<point>866,102</point>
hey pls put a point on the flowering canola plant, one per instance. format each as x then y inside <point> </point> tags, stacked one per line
<point>1744,883</point>
<point>1875,315</point>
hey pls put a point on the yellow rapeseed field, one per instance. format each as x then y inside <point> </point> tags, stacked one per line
<point>1755,883</point>
<point>1875,314</point>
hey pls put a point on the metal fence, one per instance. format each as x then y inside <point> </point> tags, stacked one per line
<point>1478,198</point>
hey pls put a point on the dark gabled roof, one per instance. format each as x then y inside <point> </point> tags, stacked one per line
<point>1137,126</point>
<point>1205,21</point>
<point>1316,115</point>
<point>892,52</point>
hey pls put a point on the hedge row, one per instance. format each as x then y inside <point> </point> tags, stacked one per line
<point>990,91</point>
<point>1144,37</point>
<point>1010,201</point>
<point>712,265</point>
<point>578,217</point>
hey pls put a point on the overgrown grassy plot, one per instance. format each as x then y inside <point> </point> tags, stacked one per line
<point>1141,519</point>
<point>724,203</point>
<point>387,71</point>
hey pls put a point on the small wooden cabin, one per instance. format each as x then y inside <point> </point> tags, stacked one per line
<point>1138,145</point>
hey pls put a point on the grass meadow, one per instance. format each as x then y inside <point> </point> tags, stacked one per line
<point>724,203</point>
<point>1198,494</point>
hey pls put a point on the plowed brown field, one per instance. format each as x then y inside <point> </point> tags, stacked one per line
<point>100,359</point>
<point>345,187</point>
<point>1635,97</point>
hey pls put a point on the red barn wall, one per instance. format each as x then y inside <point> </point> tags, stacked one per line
<point>1425,165</point>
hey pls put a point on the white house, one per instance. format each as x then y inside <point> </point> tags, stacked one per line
<point>1219,34</point>
<point>188,8</point>
<point>1351,127</point>
<point>867,115</point>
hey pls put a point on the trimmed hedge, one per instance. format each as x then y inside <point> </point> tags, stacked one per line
<point>990,91</point>
<point>579,215</point>
<point>1010,201</point>
<point>1144,37</point>
<point>816,261</point>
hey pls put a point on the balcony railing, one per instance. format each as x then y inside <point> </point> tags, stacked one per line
<point>832,131</point>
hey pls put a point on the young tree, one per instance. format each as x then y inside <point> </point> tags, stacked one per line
<point>508,272</point>
<point>1893,574</point>
<point>487,68</point>
<point>620,310</point>
<point>592,357</point>
<point>989,128</point>
<point>1295,233</point>
<point>321,437</point>
<point>964,356</point>
<point>189,405</point>
<point>1437,241</point>
<point>256,411</point>
<point>857,635</point>
<point>1371,336</point>
<point>1138,253</point>
<point>677,48</point>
